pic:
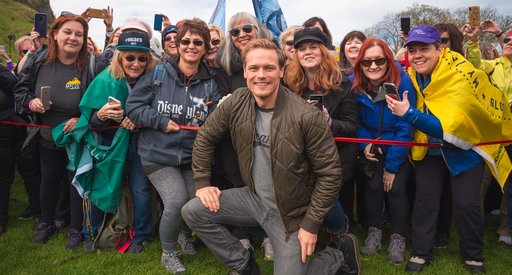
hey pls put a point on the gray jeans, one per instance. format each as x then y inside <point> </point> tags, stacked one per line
<point>176,187</point>
<point>242,207</point>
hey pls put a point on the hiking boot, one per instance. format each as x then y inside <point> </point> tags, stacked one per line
<point>268,250</point>
<point>348,245</point>
<point>246,243</point>
<point>74,239</point>
<point>44,232</point>
<point>505,239</point>
<point>251,268</point>
<point>372,243</point>
<point>135,248</point>
<point>396,249</point>
<point>27,214</point>
<point>89,245</point>
<point>416,264</point>
<point>187,244</point>
<point>172,263</point>
<point>474,266</point>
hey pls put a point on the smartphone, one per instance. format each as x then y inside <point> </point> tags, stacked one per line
<point>405,25</point>
<point>113,100</point>
<point>41,23</point>
<point>96,13</point>
<point>474,16</point>
<point>317,100</point>
<point>46,97</point>
<point>391,90</point>
<point>158,22</point>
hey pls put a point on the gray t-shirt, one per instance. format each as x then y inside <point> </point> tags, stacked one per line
<point>65,83</point>
<point>261,170</point>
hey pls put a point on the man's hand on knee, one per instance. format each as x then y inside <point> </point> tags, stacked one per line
<point>209,196</point>
<point>307,243</point>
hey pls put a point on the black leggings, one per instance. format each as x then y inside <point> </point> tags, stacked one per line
<point>53,175</point>
<point>398,200</point>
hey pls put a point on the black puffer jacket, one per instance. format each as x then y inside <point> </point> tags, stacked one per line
<point>7,82</point>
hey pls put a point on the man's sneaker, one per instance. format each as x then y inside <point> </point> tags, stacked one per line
<point>135,248</point>
<point>474,266</point>
<point>416,264</point>
<point>246,243</point>
<point>506,240</point>
<point>268,250</point>
<point>44,232</point>
<point>396,249</point>
<point>187,244</point>
<point>348,245</point>
<point>27,214</point>
<point>74,239</point>
<point>372,243</point>
<point>251,268</point>
<point>172,263</point>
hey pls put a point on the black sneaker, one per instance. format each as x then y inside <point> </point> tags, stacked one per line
<point>135,248</point>
<point>348,245</point>
<point>27,214</point>
<point>251,268</point>
<point>416,264</point>
<point>74,239</point>
<point>44,232</point>
<point>474,266</point>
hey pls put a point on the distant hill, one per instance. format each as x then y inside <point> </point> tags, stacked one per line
<point>17,18</point>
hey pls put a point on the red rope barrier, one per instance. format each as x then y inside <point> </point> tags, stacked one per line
<point>337,139</point>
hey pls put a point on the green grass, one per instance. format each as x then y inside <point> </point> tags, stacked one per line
<point>18,255</point>
<point>17,19</point>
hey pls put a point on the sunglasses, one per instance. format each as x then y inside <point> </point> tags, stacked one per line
<point>379,61</point>
<point>197,43</point>
<point>215,42</point>
<point>26,51</point>
<point>445,40</point>
<point>506,40</point>
<point>167,39</point>
<point>246,28</point>
<point>289,43</point>
<point>141,59</point>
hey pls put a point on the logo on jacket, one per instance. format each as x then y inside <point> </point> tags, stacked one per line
<point>73,84</point>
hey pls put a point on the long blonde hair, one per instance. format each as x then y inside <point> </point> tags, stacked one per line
<point>327,77</point>
<point>116,68</point>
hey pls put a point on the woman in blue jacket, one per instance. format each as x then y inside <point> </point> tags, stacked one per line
<point>386,166</point>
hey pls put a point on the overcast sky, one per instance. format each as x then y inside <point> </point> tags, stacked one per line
<point>341,16</point>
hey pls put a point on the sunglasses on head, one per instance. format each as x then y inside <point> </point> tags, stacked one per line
<point>141,59</point>
<point>246,28</point>
<point>445,40</point>
<point>379,61</point>
<point>215,42</point>
<point>289,43</point>
<point>197,43</point>
<point>506,40</point>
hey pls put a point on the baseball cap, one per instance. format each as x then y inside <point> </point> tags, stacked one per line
<point>133,40</point>
<point>313,34</point>
<point>424,34</point>
<point>134,23</point>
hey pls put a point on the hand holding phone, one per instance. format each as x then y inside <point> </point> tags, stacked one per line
<point>474,16</point>
<point>41,23</point>
<point>46,97</point>
<point>317,100</point>
<point>96,13</point>
<point>391,90</point>
<point>114,101</point>
<point>405,25</point>
<point>158,22</point>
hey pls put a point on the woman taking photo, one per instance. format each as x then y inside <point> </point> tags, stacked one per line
<point>103,106</point>
<point>386,165</point>
<point>315,74</point>
<point>184,96</point>
<point>60,70</point>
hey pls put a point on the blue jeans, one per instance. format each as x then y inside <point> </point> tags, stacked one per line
<point>140,190</point>
<point>242,207</point>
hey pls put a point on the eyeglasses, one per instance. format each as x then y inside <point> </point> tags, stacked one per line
<point>215,42</point>
<point>141,59</point>
<point>246,28</point>
<point>169,38</point>
<point>289,43</point>
<point>506,40</point>
<point>445,40</point>
<point>197,43</point>
<point>379,61</point>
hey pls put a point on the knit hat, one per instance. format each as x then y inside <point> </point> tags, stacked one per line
<point>168,30</point>
<point>133,40</point>
<point>312,34</point>
<point>134,23</point>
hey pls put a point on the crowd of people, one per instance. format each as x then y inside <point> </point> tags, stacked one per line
<point>230,135</point>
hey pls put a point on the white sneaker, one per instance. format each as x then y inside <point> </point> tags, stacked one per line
<point>268,250</point>
<point>246,243</point>
<point>506,240</point>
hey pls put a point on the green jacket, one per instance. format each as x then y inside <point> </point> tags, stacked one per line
<point>305,164</point>
<point>99,169</point>
<point>499,69</point>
